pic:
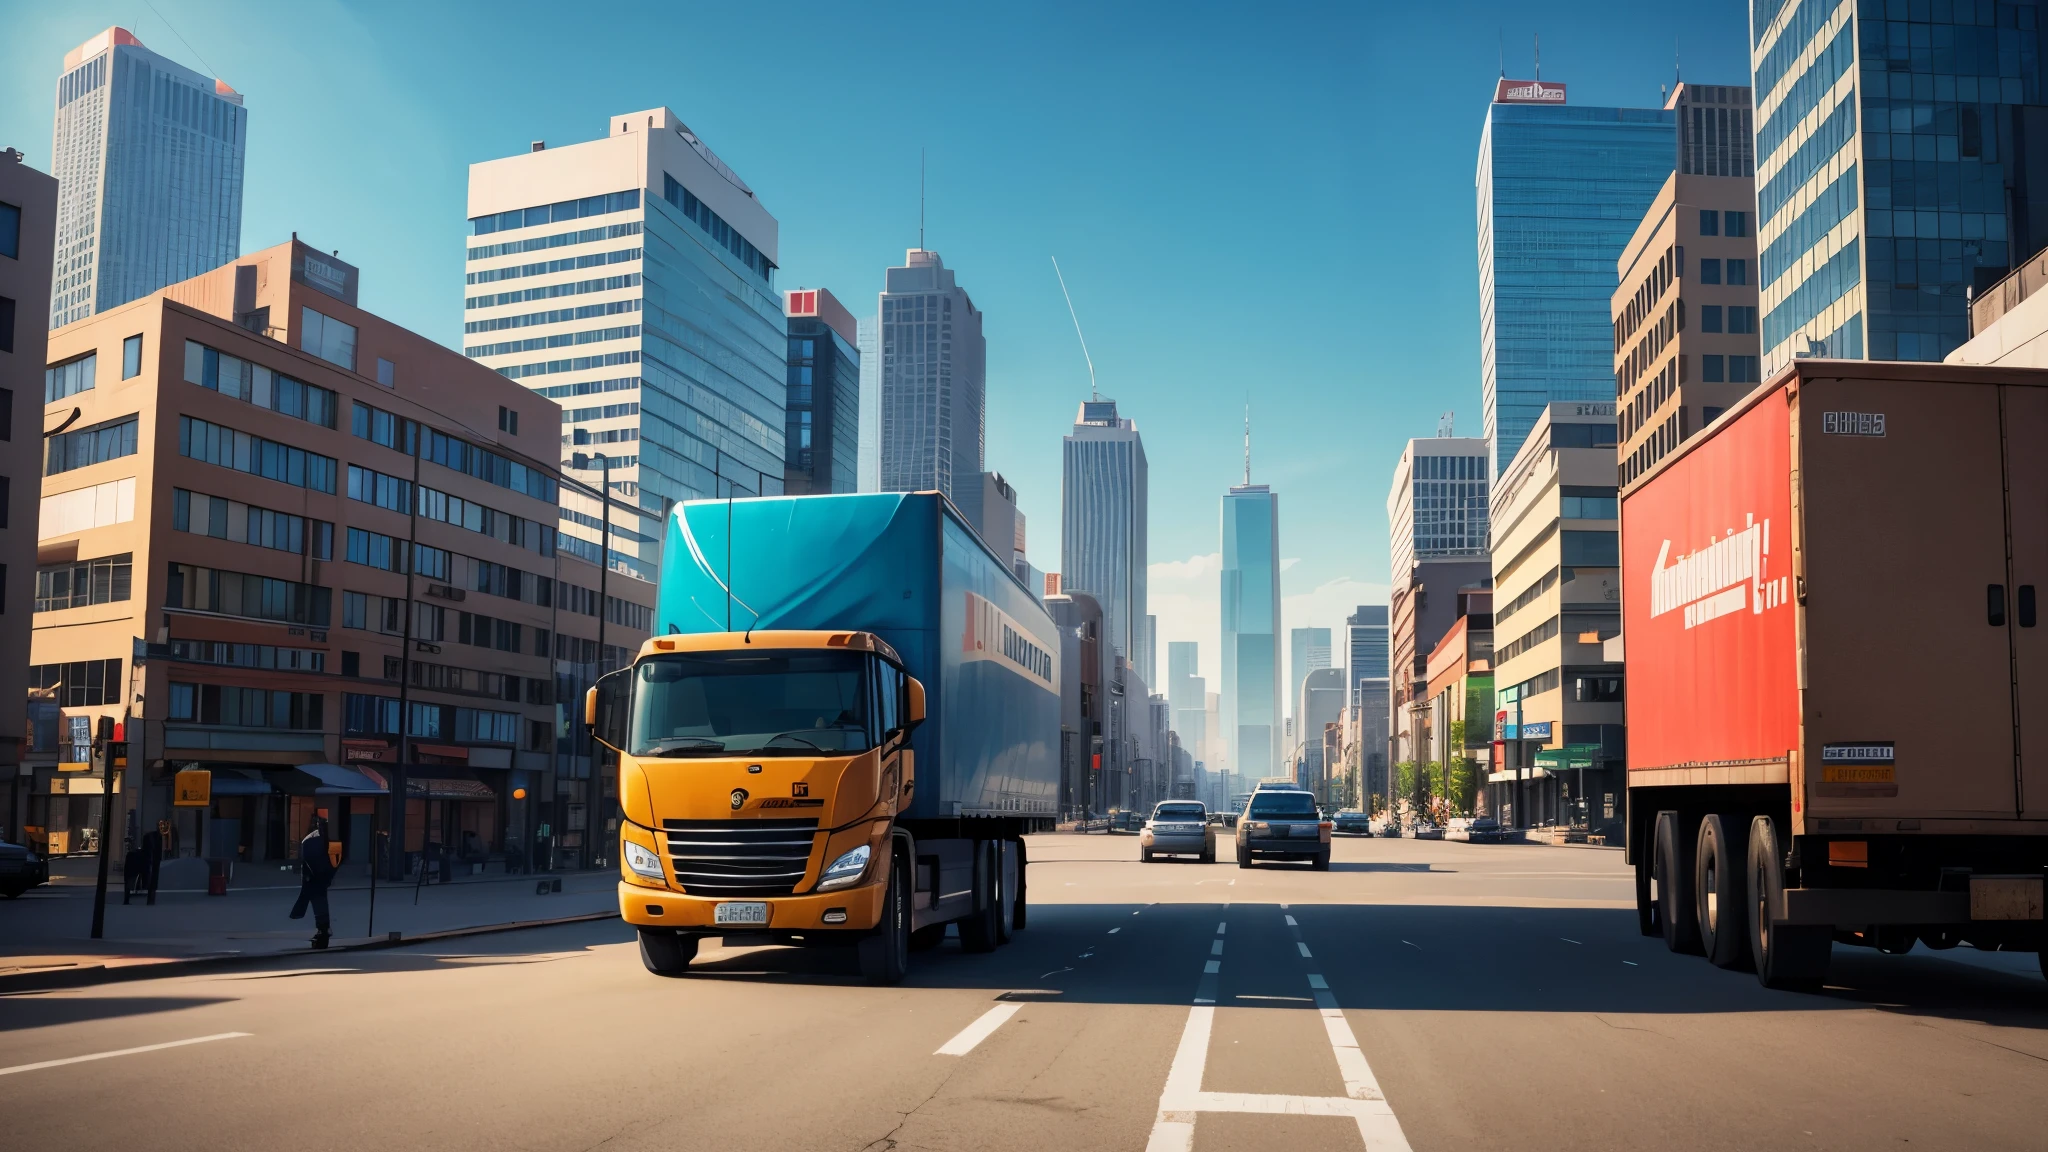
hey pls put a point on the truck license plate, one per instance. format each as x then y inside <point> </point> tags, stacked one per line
<point>753,912</point>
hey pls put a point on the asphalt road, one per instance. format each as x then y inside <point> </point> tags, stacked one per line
<point>1425,995</point>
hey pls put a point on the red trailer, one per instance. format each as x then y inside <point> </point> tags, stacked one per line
<point>1837,686</point>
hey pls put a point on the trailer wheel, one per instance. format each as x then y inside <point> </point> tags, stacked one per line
<point>1647,920</point>
<point>1787,956</point>
<point>667,953</point>
<point>1720,893</point>
<point>885,952</point>
<point>1006,890</point>
<point>978,930</point>
<point>1674,886</point>
<point>1021,914</point>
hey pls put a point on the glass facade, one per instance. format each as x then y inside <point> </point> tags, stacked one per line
<point>1251,631</point>
<point>1560,191</point>
<point>1893,139</point>
<point>932,431</point>
<point>821,422</point>
<point>148,155</point>
<point>1105,494</point>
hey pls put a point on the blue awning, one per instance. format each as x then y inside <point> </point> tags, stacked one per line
<point>228,782</point>
<point>335,780</point>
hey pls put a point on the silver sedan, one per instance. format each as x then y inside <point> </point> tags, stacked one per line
<point>1177,828</point>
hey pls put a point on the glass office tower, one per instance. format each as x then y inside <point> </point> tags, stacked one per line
<point>1105,497</point>
<point>1893,140</point>
<point>1251,630</point>
<point>821,421</point>
<point>1560,191</point>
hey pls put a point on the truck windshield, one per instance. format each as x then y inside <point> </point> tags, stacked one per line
<point>790,703</point>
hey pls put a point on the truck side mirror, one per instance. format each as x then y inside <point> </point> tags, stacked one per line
<point>605,708</point>
<point>913,709</point>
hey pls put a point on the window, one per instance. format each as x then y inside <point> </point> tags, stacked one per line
<point>81,683</point>
<point>216,444</point>
<point>1742,369</point>
<point>233,707</point>
<point>1581,502</point>
<point>88,446</point>
<point>249,655</point>
<point>255,384</point>
<point>384,614</point>
<point>1710,222</point>
<point>131,357</point>
<point>1742,319</point>
<point>102,581</point>
<point>369,715</point>
<point>328,338</point>
<point>1596,689</point>
<point>10,231</point>
<point>1710,317</point>
<point>196,589</point>
<point>715,226</point>
<point>1737,223</point>
<point>387,373</point>
<point>6,323</point>
<point>351,663</point>
<point>70,377</point>
<point>1711,413</point>
<point>375,550</point>
<point>553,213</point>
<point>373,487</point>
<point>1581,436</point>
<point>225,519</point>
<point>477,726</point>
<point>1591,550</point>
<point>1710,271</point>
<point>508,420</point>
<point>1738,272</point>
<point>430,562</point>
<point>1711,370</point>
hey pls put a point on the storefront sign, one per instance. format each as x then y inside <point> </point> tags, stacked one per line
<point>1536,730</point>
<point>193,788</point>
<point>367,751</point>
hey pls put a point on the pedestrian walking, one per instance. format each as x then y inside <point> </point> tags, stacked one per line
<point>316,871</point>
<point>154,843</point>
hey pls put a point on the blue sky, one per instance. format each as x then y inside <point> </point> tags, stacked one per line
<point>1267,202</point>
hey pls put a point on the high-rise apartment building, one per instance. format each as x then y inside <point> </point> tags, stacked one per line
<point>1436,509</point>
<point>1250,594</point>
<point>28,228</point>
<point>1307,650</point>
<point>870,405</point>
<point>632,279</point>
<point>1104,498</point>
<point>1560,189</point>
<point>1896,170</point>
<point>820,430</point>
<point>1685,313</point>
<point>148,158</point>
<point>934,382</point>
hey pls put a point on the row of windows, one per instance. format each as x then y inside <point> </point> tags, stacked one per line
<point>1809,90</point>
<point>88,446</point>
<point>214,444</point>
<point>558,240</point>
<point>105,580</point>
<point>580,363</point>
<point>1710,271</point>
<point>80,683</point>
<point>715,227</point>
<point>1450,468</point>
<point>1828,139</point>
<point>554,291</point>
<point>1665,437</point>
<point>555,213</point>
<point>1842,272</point>
<point>1741,318</point>
<point>233,707</point>
<point>225,519</point>
<point>608,436</point>
<point>472,682</point>
<point>480,631</point>
<point>1588,502</point>
<point>70,377</point>
<point>558,340</point>
<point>530,534</point>
<point>402,435</point>
<point>266,656</point>
<point>373,487</point>
<point>1527,597</point>
<point>333,341</point>
<point>548,267</point>
<point>1669,268</point>
<point>243,380</point>
<point>1718,223</point>
<point>552,316</point>
<point>1526,641</point>
<point>1716,369</point>
<point>606,412</point>
<point>1806,22</point>
<point>1830,207</point>
<point>198,589</point>
<point>590,387</point>
<point>375,550</point>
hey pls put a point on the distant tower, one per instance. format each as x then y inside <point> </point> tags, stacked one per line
<point>1250,595</point>
<point>1104,497</point>
<point>933,382</point>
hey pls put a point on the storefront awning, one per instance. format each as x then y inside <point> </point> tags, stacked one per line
<point>230,782</point>
<point>438,787</point>
<point>335,780</point>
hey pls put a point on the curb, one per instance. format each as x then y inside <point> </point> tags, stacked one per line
<point>88,975</point>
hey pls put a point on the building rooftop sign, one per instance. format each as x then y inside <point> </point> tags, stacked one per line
<point>1527,92</point>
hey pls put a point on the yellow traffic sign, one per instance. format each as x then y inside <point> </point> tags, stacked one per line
<point>193,788</point>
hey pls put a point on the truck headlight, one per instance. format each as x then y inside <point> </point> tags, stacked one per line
<point>643,861</point>
<point>846,870</point>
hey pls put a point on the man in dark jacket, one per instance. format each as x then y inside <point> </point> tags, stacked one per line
<point>316,872</point>
<point>153,843</point>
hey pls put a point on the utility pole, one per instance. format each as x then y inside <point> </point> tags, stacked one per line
<point>410,430</point>
<point>604,570</point>
<point>109,744</point>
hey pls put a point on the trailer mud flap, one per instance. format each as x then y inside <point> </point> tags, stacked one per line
<point>1862,907</point>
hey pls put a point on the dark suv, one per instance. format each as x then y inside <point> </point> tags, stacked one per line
<point>1283,824</point>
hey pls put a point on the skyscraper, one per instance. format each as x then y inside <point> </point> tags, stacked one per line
<point>1186,693</point>
<point>1365,643</point>
<point>632,279</point>
<point>820,433</point>
<point>148,159</point>
<point>1438,541</point>
<point>934,365</point>
<point>1560,191</point>
<point>1250,594</point>
<point>1887,191</point>
<point>1104,498</point>
<point>1307,649</point>
<point>870,407</point>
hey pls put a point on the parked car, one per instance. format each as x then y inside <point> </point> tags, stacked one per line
<point>1424,830</point>
<point>1283,824</point>
<point>1177,828</point>
<point>20,870</point>
<point>1391,826</point>
<point>1485,830</point>
<point>1353,822</point>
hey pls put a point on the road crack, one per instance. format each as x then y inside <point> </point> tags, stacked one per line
<point>886,1142</point>
<point>1630,1027</point>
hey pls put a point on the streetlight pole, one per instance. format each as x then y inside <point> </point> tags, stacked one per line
<point>604,571</point>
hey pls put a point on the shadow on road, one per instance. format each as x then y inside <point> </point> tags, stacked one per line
<point>37,1010</point>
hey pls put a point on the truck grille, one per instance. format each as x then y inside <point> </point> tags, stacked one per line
<point>740,857</point>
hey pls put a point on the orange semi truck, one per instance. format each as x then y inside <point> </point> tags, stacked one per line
<point>1837,694</point>
<point>844,726</point>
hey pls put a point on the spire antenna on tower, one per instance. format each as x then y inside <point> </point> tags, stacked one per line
<point>920,199</point>
<point>1247,443</point>
<point>1093,392</point>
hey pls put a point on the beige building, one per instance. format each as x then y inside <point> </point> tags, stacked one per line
<point>1556,623</point>
<point>28,226</point>
<point>1686,344</point>
<point>335,542</point>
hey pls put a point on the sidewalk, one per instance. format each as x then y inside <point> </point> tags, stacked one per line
<point>45,935</point>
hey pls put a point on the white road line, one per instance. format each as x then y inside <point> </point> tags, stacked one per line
<point>1412,944</point>
<point>119,1052</point>
<point>1290,922</point>
<point>1212,966</point>
<point>1359,1082</point>
<point>1569,940</point>
<point>1315,981</point>
<point>1221,925</point>
<point>1215,947</point>
<point>978,1031</point>
<point>1114,931</point>
<point>1304,948</point>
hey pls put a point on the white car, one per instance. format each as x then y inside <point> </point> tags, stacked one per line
<point>1177,828</point>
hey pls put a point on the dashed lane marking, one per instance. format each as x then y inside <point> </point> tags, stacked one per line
<point>1114,931</point>
<point>1569,940</point>
<point>1213,967</point>
<point>978,1031</point>
<point>1215,947</point>
<point>40,1064</point>
<point>1304,949</point>
<point>1291,923</point>
<point>1221,925</point>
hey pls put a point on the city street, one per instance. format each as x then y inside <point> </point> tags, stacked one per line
<point>1421,994</point>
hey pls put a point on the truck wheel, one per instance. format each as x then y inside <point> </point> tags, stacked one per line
<point>1674,886</point>
<point>1322,862</point>
<point>1006,898</point>
<point>1023,905</point>
<point>1244,857</point>
<point>978,930</point>
<point>1647,920</point>
<point>1209,853</point>
<point>1787,956</point>
<point>885,952</point>
<point>1720,893</point>
<point>667,953</point>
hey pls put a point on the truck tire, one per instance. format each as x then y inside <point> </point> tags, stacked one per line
<point>978,930</point>
<point>1647,920</point>
<point>885,952</point>
<point>1321,862</point>
<point>1019,917</point>
<point>1144,855</point>
<point>1006,901</point>
<point>1793,957</point>
<point>1244,857</point>
<point>1674,886</point>
<point>667,953</point>
<point>1721,891</point>
<point>1209,852</point>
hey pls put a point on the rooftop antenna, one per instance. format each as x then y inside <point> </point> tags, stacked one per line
<point>1539,54</point>
<point>1093,391</point>
<point>1500,41</point>
<point>920,199</point>
<point>1247,442</point>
